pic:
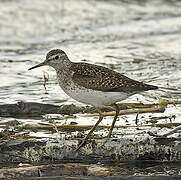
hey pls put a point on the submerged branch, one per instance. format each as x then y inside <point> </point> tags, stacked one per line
<point>129,111</point>
<point>74,128</point>
<point>141,105</point>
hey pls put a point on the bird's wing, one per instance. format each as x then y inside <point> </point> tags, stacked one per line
<point>104,79</point>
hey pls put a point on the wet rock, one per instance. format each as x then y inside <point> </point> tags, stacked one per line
<point>26,108</point>
<point>37,109</point>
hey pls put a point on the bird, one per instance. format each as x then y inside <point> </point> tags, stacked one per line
<point>92,84</point>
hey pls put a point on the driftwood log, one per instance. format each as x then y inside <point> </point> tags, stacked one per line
<point>77,171</point>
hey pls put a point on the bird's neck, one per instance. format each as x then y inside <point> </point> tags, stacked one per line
<point>64,76</point>
<point>63,66</point>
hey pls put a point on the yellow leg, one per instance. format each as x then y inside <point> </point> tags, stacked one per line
<point>114,120</point>
<point>91,131</point>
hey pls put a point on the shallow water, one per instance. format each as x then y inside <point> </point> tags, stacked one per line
<point>138,38</point>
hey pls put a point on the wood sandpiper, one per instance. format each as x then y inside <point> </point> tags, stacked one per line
<point>92,84</point>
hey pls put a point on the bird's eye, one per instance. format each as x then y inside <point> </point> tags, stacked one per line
<point>56,57</point>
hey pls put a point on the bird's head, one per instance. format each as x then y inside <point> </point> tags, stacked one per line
<point>55,58</point>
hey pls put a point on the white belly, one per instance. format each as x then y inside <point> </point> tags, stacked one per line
<point>96,98</point>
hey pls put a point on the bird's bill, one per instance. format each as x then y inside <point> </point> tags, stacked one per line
<point>39,65</point>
